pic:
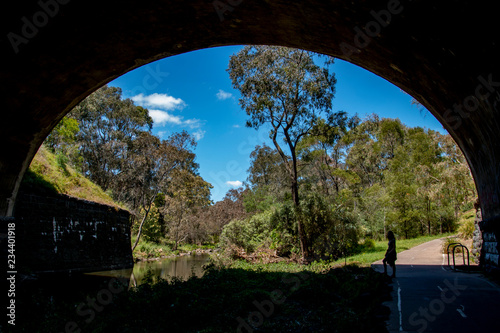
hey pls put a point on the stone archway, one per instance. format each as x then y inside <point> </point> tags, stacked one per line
<point>445,54</point>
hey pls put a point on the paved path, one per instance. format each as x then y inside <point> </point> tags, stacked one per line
<point>428,296</point>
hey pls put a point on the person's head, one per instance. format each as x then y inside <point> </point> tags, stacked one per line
<point>390,235</point>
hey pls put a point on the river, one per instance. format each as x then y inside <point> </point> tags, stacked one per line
<point>181,267</point>
<point>47,292</point>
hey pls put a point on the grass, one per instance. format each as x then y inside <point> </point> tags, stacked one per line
<point>252,297</point>
<point>261,299</point>
<point>378,252</point>
<point>50,173</point>
<point>466,224</point>
<point>147,250</point>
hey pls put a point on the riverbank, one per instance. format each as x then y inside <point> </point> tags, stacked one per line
<point>366,253</point>
<point>141,257</point>
<point>150,251</point>
<point>240,295</point>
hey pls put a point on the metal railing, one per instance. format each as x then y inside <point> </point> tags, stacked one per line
<point>455,245</point>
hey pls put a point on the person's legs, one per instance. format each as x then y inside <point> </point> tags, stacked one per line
<point>385,265</point>
<point>393,266</point>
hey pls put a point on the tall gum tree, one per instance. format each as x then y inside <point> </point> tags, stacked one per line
<point>286,89</point>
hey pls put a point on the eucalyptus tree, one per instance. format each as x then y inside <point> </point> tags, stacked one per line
<point>324,151</point>
<point>107,126</point>
<point>187,195</point>
<point>267,171</point>
<point>288,91</point>
<point>154,166</point>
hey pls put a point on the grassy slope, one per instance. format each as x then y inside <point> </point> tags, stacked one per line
<point>52,175</point>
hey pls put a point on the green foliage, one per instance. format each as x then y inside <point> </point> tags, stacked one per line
<point>466,224</point>
<point>367,245</point>
<point>51,172</point>
<point>284,234</point>
<point>152,230</point>
<point>259,199</point>
<point>249,233</point>
<point>63,140</point>
<point>329,231</point>
<point>448,245</point>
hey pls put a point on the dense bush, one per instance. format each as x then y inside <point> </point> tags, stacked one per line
<point>466,228</point>
<point>152,230</point>
<point>284,234</point>
<point>249,233</point>
<point>328,231</point>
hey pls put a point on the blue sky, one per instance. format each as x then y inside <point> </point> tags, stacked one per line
<point>193,92</point>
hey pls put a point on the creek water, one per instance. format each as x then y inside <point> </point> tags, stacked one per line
<point>36,295</point>
<point>181,267</point>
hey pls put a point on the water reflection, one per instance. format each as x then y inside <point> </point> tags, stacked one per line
<point>181,267</point>
<point>56,299</point>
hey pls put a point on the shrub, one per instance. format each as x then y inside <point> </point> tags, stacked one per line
<point>284,234</point>
<point>249,233</point>
<point>448,241</point>
<point>367,245</point>
<point>466,228</point>
<point>327,231</point>
<point>152,230</point>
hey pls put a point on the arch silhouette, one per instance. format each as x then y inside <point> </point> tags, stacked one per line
<point>445,54</point>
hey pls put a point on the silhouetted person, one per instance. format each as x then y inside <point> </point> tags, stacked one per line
<point>390,254</point>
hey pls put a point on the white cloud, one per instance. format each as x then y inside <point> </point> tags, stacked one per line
<point>222,95</point>
<point>235,183</point>
<point>192,123</point>
<point>236,126</point>
<point>160,105</point>
<point>162,118</point>
<point>162,101</point>
<point>199,134</point>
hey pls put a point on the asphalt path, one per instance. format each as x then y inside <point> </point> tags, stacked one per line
<point>429,296</point>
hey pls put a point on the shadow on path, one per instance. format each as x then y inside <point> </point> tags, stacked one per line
<point>428,296</point>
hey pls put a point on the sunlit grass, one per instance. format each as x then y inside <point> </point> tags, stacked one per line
<point>378,252</point>
<point>146,249</point>
<point>51,173</point>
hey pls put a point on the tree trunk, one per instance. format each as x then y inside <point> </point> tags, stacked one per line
<point>140,230</point>
<point>429,216</point>
<point>304,248</point>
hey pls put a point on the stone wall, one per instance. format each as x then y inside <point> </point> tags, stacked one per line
<point>490,230</point>
<point>477,238</point>
<point>61,233</point>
